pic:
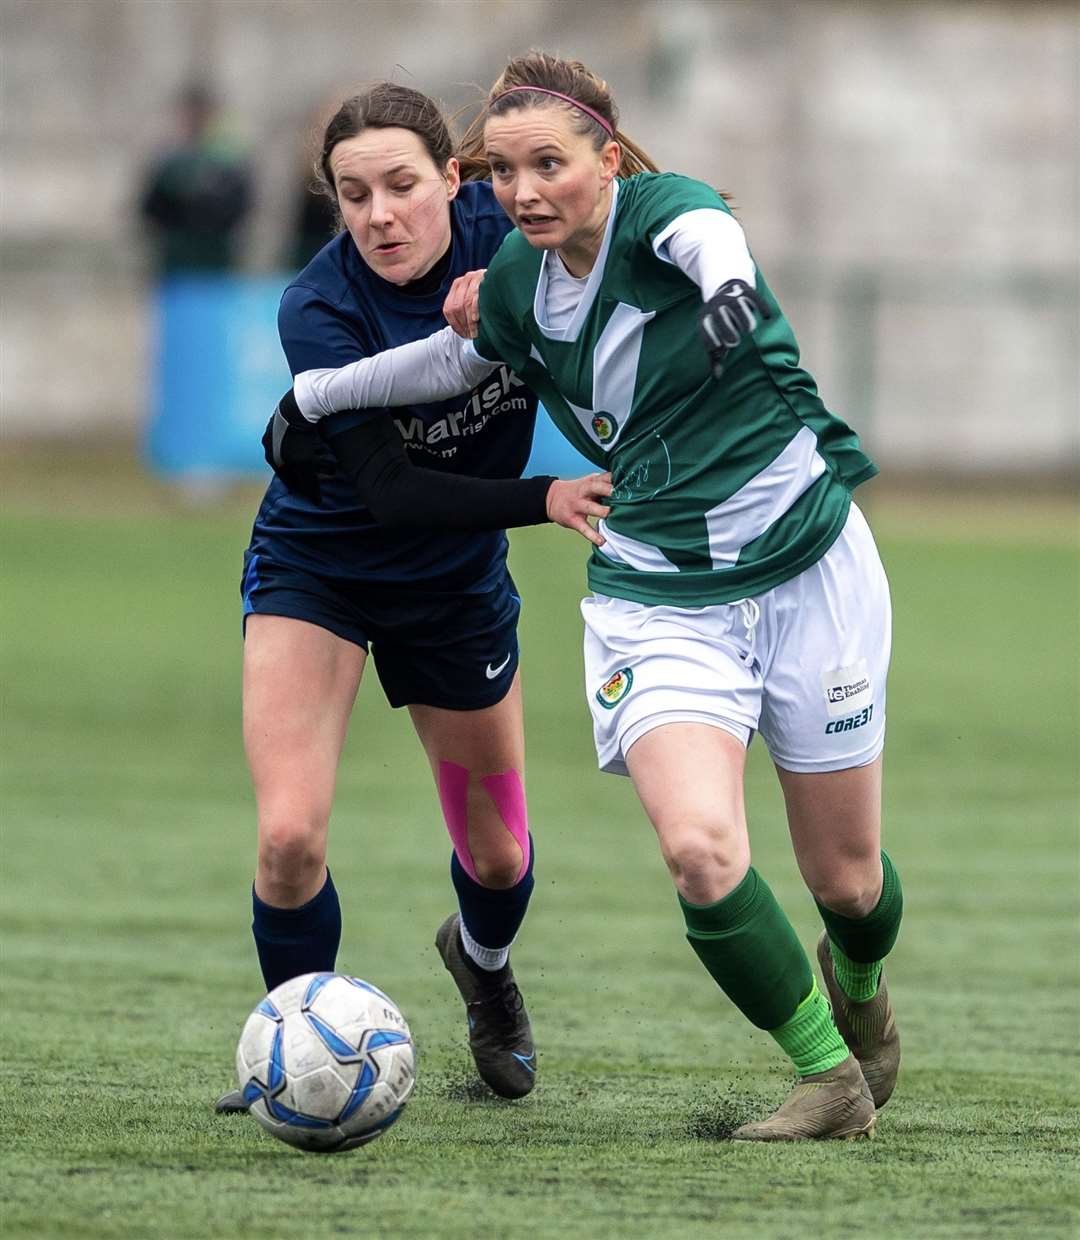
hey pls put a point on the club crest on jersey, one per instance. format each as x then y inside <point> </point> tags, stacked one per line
<point>615,688</point>
<point>604,426</point>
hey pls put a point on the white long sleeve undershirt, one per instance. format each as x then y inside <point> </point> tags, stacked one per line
<point>707,245</point>
<point>435,368</point>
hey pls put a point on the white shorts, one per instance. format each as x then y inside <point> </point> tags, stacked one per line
<point>803,664</point>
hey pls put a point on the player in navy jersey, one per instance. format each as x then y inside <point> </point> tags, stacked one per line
<point>401,555</point>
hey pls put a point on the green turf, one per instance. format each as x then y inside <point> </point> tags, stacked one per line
<point>128,969</point>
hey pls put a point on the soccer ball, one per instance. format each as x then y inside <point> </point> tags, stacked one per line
<point>326,1062</point>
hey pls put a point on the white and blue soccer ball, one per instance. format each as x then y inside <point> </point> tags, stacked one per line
<point>326,1062</point>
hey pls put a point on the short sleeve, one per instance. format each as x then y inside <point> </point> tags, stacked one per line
<point>314,335</point>
<point>498,340</point>
<point>664,197</point>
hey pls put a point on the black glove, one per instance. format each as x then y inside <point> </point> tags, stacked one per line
<point>295,450</point>
<point>731,313</point>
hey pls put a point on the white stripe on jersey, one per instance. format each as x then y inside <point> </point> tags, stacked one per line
<point>741,518</point>
<point>753,508</point>
<point>640,555</point>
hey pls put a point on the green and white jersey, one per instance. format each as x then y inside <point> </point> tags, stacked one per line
<point>723,489</point>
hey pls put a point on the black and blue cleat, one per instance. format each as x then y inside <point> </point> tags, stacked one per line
<point>500,1036</point>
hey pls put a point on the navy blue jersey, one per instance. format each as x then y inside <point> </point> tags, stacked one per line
<point>338,310</point>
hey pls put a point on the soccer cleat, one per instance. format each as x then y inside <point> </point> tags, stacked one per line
<point>500,1037</point>
<point>231,1103</point>
<point>868,1028</point>
<point>835,1104</point>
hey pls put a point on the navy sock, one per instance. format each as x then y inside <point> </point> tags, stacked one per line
<point>492,915</point>
<point>291,941</point>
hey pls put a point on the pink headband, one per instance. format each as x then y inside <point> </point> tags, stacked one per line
<point>556,94</point>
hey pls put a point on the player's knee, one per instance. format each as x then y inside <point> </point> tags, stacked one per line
<point>291,855</point>
<point>491,841</point>
<point>705,863</point>
<point>850,892</point>
<point>498,868</point>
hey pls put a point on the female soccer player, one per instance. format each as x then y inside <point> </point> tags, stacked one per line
<point>738,589</point>
<point>360,564</point>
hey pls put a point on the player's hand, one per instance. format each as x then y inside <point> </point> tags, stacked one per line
<point>571,503</point>
<point>461,308</point>
<point>295,451</point>
<point>730,314</point>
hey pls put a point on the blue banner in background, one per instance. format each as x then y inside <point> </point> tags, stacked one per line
<point>220,371</point>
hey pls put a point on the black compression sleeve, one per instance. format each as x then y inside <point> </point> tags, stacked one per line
<point>401,495</point>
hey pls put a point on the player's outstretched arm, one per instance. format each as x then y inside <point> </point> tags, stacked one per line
<point>436,368</point>
<point>401,495</point>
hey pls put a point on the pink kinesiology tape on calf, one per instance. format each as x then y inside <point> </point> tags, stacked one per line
<point>454,798</point>
<point>508,795</point>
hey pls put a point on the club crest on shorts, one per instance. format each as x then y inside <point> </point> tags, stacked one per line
<point>604,426</point>
<point>615,688</point>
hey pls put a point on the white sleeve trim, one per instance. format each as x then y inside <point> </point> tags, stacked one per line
<point>707,245</point>
<point>436,368</point>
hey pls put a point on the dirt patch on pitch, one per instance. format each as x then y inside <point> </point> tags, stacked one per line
<point>724,1110</point>
<point>459,1083</point>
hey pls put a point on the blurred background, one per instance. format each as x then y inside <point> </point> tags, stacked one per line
<point>907,174</point>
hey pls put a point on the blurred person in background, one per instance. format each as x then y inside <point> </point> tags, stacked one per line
<point>198,192</point>
<point>738,588</point>
<point>404,561</point>
<point>313,218</point>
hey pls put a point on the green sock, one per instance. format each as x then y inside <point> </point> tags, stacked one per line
<point>749,947</point>
<point>860,944</point>
<point>810,1038</point>
<point>857,981</point>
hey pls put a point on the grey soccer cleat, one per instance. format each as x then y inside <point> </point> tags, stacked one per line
<point>500,1037</point>
<point>231,1103</point>
<point>835,1104</point>
<point>868,1028</point>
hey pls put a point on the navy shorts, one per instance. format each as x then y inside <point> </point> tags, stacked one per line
<point>453,650</point>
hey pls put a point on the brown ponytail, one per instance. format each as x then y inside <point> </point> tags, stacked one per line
<point>567,77</point>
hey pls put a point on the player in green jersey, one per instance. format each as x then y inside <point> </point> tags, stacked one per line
<point>738,588</point>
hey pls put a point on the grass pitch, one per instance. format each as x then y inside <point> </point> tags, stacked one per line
<point>128,969</point>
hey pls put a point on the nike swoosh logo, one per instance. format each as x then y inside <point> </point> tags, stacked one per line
<point>491,672</point>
